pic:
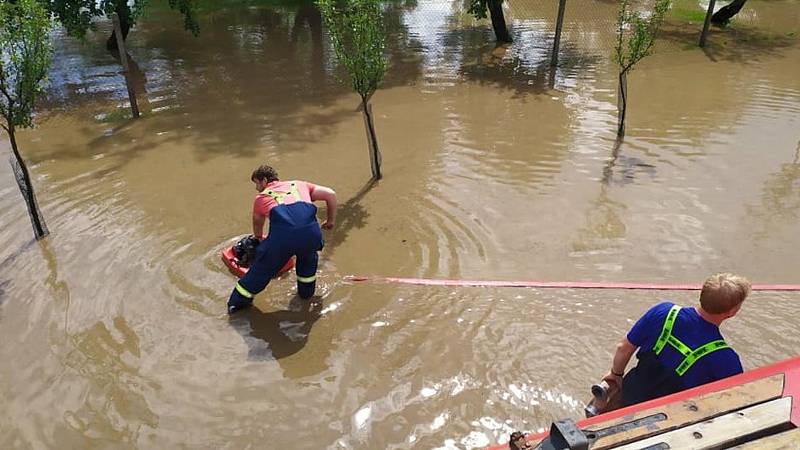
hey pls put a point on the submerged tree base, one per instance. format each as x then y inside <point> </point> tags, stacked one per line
<point>40,230</point>
<point>622,103</point>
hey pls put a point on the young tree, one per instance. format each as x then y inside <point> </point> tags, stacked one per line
<point>358,37</point>
<point>25,57</point>
<point>478,9</point>
<point>636,34</point>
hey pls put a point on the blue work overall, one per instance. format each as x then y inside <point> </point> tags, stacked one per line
<point>293,231</point>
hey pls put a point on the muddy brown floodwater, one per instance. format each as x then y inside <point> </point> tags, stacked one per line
<point>113,329</point>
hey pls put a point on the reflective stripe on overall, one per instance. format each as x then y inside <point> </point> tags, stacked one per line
<point>689,356</point>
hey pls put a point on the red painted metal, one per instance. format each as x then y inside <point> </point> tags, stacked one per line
<point>557,284</point>
<point>791,388</point>
<point>789,367</point>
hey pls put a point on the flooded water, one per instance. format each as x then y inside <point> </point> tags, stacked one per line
<point>113,329</point>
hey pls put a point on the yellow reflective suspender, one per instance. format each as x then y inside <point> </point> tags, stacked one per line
<point>699,353</point>
<point>666,330</point>
<point>280,196</point>
<point>689,356</point>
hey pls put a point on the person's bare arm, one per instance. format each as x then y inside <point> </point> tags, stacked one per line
<point>622,356</point>
<point>258,225</point>
<point>328,195</point>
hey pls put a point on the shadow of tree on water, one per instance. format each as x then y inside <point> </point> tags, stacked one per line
<point>351,215</point>
<point>735,43</point>
<point>621,169</point>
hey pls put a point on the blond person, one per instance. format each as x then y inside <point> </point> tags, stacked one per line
<point>680,348</point>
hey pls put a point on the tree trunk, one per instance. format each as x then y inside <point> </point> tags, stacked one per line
<point>622,102</point>
<point>498,21</point>
<point>724,15</point>
<point>123,59</point>
<point>562,4</point>
<point>706,22</point>
<point>374,152</point>
<point>124,13</point>
<point>138,82</point>
<point>26,188</point>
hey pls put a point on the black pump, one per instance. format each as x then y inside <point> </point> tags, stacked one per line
<point>245,250</point>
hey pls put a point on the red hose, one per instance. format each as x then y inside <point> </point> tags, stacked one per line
<point>557,284</point>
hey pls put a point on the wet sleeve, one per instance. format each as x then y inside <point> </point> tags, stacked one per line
<point>651,322</point>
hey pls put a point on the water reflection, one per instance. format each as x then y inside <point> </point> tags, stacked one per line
<point>622,169</point>
<point>185,73</point>
<point>115,407</point>
<point>3,291</point>
<point>779,209</point>
<point>57,286</point>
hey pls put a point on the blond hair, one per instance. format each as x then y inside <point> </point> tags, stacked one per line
<point>722,292</point>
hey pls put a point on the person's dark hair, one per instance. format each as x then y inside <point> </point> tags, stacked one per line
<point>264,172</point>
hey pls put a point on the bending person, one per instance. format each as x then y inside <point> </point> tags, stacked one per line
<point>680,348</point>
<point>293,231</point>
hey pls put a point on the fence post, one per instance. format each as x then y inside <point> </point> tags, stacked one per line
<point>123,58</point>
<point>562,4</point>
<point>706,23</point>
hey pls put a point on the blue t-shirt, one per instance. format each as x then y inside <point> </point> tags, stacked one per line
<point>692,330</point>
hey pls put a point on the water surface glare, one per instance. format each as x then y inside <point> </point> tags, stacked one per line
<point>113,329</point>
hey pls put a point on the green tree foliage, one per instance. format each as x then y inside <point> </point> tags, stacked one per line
<point>25,57</point>
<point>478,8</point>
<point>76,15</point>
<point>636,34</point>
<point>358,37</point>
<point>357,32</point>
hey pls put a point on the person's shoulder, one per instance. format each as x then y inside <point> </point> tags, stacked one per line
<point>307,184</point>
<point>650,321</point>
<point>657,312</point>
<point>661,308</point>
